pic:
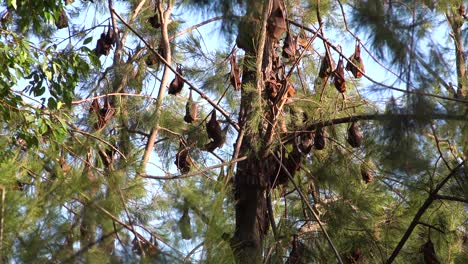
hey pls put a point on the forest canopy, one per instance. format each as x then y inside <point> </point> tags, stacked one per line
<point>275,131</point>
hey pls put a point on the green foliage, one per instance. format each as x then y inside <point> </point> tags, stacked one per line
<point>71,180</point>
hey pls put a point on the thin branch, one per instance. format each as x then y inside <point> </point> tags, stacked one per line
<point>2,217</point>
<point>122,200</point>
<point>432,196</point>
<point>110,94</point>
<point>451,198</point>
<point>87,247</point>
<point>271,216</point>
<point>99,139</point>
<point>438,146</point>
<point>378,117</point>
<point>240,138</point>
<point>371,79</point>
<point>190,174</point>
<point>192,86</point>
<point>189,255</point>
<point>431,226</point>
<point>189,29</point>
<point>316,217</point>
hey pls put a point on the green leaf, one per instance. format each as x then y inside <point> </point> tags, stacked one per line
<point>52,103</point>
<point>87,40</point>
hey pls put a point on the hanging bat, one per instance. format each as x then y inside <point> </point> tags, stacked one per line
<point>218,136</point>
<point>325,68</point>
<point>191,109</point>
<point>366,174</point>
<point>289,47</point>
<point>320,139</point>
<point>358,68</point>
<point>339,78</point>
<point>183,160</point>
<point>276,22</point>
<point>177,84</point>
<point>354,135</point>
<point>235,74</point>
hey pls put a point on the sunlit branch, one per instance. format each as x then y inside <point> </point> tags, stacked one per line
<point>367,76</point>
<point>189,29</point>
<point>192,86</point>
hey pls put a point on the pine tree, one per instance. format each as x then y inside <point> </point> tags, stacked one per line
<point>135,139</point>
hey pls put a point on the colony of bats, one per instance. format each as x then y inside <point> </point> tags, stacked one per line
<point>278,89</point>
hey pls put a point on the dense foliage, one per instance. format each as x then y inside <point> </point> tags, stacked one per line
<point>295,131</point>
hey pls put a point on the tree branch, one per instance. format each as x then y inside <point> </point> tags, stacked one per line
<point>377,117</point>
<point>451,198</point>
<point>109,94</point>
<point>165,16</point>
<point>194,173</point>
<point>191,85</point>
<point>316,217</point>
<point>431,226</point>
<point>432,196</point>
<point>367,76</point>
<point>178,34</point>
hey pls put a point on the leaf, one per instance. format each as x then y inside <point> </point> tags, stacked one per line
<point>52,103</point>
<point>87,40</point>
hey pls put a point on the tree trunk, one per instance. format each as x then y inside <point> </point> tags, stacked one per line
<point>250,181</point>
<point>456,21</point>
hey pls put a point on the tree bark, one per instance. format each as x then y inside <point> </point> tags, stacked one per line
<point>250,183</point>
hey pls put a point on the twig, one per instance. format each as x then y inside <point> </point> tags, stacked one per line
<point>193,251</point>
<point>178,34</point>
<point>271,216</point>
<point>438,146</point>
<point>109,94</point>
<point>431,226</point>
<point>432,196</point>
<point>98,138</point>
<point>190,174</point>
<point>240,138</point>
<point>130,220</point>
<point>87,247</point>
